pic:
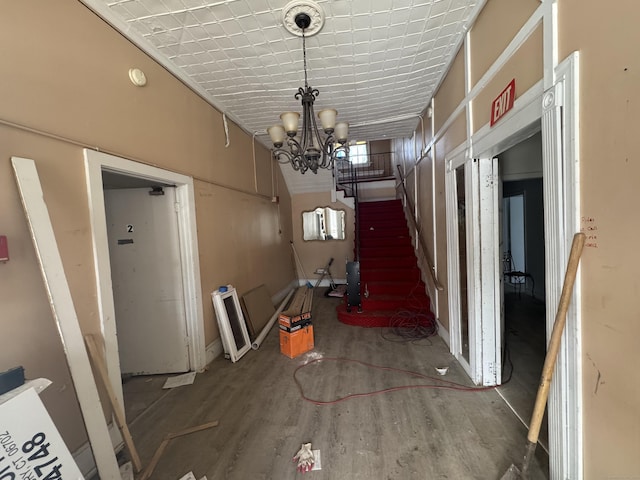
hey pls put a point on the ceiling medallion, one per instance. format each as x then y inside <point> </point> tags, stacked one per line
<point>308,7</point>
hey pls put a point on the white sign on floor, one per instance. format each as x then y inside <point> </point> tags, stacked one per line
<point>30,445</point>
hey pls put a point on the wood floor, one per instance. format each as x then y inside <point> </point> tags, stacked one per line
<point>414,433</point>
<point>525,327</point>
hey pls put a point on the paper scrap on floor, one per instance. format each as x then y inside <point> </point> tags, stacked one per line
<point>126,471</point>
<point>339,291</point>
<point>191,476</point>
<point>180,380</point>
<point>317,464</point>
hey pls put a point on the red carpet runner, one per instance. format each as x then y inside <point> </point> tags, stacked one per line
<point>389,274</point>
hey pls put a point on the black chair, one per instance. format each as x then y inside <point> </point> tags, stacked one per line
<point>516,277</point>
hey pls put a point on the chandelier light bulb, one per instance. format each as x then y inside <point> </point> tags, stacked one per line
<point>341,131</point>
<point>290,122</point>
<point>328,118</point>
<point>277,135</point>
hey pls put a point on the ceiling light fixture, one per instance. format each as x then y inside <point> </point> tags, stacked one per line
<point>311,150</point>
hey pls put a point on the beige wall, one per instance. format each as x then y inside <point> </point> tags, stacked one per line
<point>494,29</point>
<point>315,254</point>
<point>450,93</point>
<point>64,76</point>
<point>525,66</point>
<point>608,40</point>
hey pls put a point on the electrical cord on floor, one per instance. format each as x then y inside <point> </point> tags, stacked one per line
<point>506,356</point>
<point>442,385</point>
<point>410,327</point>
<point>411,324</point>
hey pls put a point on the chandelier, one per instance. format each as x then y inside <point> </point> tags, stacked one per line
<point>311,150</point>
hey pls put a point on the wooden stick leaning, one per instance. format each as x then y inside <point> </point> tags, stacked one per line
<point>515,473</point>
<point>96,357</point>
<point>170,436</point>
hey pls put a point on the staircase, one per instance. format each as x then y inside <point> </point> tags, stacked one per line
<point>390,284</point>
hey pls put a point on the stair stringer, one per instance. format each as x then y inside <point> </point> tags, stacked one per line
<point>339,196</point>
<point>423,266</point>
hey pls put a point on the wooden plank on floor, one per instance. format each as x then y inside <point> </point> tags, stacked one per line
<point>258,309</point>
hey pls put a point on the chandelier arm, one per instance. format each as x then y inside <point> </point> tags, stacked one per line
<point>279,152</point>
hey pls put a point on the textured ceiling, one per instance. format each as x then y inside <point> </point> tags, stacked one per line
<point>376,61</point>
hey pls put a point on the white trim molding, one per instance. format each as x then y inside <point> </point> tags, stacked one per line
<point>560,130</point>
<point>95,163</point>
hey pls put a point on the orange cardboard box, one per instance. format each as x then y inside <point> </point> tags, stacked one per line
<point>296,343</point>
<point>290,320</point>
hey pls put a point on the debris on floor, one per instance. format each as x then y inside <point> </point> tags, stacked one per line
<point>126,471</point>
<point>305,458</point>
<point>188,476</point>
<point>339,291</point>
<point>191,476</point>
<point>180,380</point>
<point>148,471</point>
<point>317,465</point>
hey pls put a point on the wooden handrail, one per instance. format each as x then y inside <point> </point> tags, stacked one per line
<point>432,271</point>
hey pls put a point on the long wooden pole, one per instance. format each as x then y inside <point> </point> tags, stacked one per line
<point>553,347</point>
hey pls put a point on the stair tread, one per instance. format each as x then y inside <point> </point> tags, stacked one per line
<point>388,270</point>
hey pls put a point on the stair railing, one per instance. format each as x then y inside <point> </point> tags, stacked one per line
<point>425,252</point>
<point>350,187</point>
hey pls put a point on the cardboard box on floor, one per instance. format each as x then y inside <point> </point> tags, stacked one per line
<point>296,343</point>
<point>296,331</point>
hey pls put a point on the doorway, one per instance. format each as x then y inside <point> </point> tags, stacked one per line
<point>186,278</point>
<point>553,111</point>
<point>522,252</point>
<point>144,253</point>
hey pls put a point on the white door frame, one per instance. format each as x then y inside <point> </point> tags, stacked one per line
<point>95,163</point>
<point>483,269</point>
<point>458,160</point>
<point>557,109</point>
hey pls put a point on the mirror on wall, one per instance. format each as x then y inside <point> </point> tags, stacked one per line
<point>323,223</point>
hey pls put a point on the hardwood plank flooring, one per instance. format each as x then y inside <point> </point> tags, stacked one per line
<point>525,336</point>
<point>414,433</point>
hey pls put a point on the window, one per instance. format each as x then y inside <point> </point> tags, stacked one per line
<point>358,154</point>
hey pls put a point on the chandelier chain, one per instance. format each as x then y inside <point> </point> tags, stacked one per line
<point>304,58</point>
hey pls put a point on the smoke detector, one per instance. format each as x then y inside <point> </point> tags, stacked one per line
<point>303,14</point>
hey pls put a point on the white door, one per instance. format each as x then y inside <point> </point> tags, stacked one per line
<point>147,281</point>
<point>474,304</point>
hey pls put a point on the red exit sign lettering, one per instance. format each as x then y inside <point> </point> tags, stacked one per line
<point>503,103</point>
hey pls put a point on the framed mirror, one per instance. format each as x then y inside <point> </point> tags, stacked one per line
<point>323,223</point>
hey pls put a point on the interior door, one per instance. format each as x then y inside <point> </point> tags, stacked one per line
<point>147,281</point>
<point>473,229</point>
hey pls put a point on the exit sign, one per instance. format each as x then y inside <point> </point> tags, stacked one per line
<point>503,103</point>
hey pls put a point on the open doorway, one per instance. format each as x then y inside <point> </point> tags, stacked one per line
<point>522,252</point>
<point>165,210</point>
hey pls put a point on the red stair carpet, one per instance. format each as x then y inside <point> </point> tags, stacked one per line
<point>388,271</point>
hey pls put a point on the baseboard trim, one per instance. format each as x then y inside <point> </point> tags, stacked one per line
<point>444,334</point>
<point>213,350</point>
<point>83,456</point>
<point>278,297</point>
